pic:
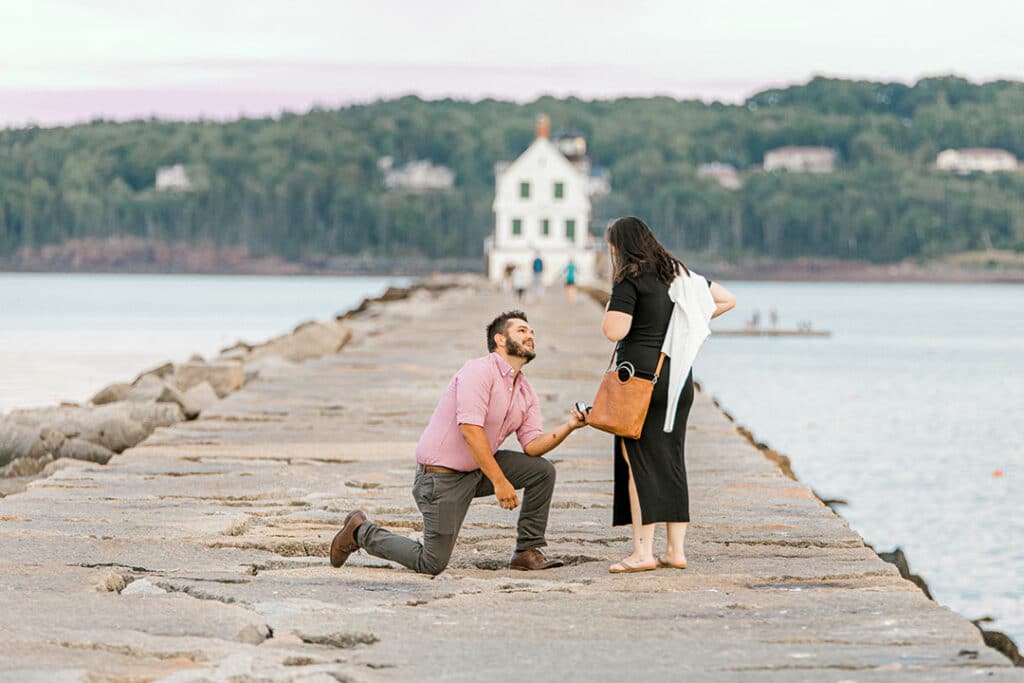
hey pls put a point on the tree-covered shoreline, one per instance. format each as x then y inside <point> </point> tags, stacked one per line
<point>307,187</point>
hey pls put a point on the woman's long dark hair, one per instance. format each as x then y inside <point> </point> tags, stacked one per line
<point>636,247</point>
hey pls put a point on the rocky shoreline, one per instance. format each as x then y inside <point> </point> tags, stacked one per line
<point>149,256</point>
<point>138,255</point>
<point>998,270</point>
<point>36,442</point>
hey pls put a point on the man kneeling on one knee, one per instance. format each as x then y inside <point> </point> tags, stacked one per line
<point>457,460</point>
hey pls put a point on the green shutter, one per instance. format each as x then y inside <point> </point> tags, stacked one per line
<point>559,190</point>
<point>517,226</point>
<point>545,227</point>
<point>570,229</point>
<point>524,190</point>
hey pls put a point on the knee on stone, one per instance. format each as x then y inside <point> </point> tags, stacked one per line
<point>433,566</point>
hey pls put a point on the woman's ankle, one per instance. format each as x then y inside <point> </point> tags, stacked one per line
<point>639,555</point>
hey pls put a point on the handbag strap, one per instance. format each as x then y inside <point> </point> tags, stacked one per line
<point>615,351</point>
<point>657,370</point>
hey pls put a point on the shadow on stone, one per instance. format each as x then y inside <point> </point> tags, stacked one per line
<point>343,641</point>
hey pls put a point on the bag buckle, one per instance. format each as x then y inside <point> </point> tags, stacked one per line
<point>627,367</point>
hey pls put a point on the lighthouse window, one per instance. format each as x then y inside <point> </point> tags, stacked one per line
<point>559,190</point>
<point>524,190</point>
<point>570,229</point>
<point>517,226</point>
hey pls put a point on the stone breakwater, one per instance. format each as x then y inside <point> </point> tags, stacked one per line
<point>37,442</point>
<point>199,553</point>
<point>44,440</point>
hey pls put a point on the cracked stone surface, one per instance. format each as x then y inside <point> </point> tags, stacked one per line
<point>222,525</point>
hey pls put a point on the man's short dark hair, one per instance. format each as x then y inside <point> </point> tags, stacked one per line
<point>500,326</point>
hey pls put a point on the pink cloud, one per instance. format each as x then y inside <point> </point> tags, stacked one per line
<point>229,89</point>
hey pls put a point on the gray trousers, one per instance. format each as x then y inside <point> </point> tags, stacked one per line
<point>444,500</point>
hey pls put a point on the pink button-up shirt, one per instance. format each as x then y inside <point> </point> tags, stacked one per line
<point>482,393</point>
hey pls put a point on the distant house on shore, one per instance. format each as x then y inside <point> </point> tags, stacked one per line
<point>725,175</point>
<point>801,159</point>
<point>172,179</point>
<point>419,175</point>
<point>542,205</point>
<point>975,159</point>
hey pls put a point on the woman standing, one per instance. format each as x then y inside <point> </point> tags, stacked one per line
<point>650,472</point>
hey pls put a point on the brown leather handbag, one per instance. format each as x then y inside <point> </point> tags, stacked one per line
<point>623,400</point>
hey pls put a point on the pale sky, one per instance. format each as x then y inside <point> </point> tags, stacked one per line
<point>64,61</point>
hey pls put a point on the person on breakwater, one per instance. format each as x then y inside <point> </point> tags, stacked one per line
<point>538,276</point>
<point>657,306</point>
<point>570,281</point>
<point>457,460</point>
<point>520,281</point>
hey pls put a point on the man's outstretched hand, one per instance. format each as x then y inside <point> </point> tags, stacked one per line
<point>506,495</point>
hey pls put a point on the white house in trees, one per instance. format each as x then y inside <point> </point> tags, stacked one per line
<point>980,159</point>
<point>172,179</point>
<point>542,205</point>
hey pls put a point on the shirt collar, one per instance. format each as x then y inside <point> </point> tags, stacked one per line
<point>503,367</point>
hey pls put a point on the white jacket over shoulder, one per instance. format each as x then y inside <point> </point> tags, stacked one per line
<point>688,327</point>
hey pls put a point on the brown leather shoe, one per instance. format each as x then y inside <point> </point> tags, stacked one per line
<point>344,543</point>
<point>528,560</point>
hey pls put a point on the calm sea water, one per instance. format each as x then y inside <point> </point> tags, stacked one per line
<point>911,412</point>
<point>64,337</point>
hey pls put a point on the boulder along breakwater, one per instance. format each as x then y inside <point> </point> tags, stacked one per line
<point>199,553</point>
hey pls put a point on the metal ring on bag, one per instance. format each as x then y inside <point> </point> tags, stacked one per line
<point>629,369</point>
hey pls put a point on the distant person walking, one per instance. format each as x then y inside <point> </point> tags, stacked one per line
<point>755,320</point>
<point>570,281</point>
<point>520,281</point>
<point>538,276</point>
<point>657,306</point>
<point>506,278</point>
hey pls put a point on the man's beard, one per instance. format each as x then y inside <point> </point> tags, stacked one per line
<point>517,350</point>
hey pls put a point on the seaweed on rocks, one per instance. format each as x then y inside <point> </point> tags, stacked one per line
<point>997,640</point>
<point>781,461</point>
<point>899,558</point>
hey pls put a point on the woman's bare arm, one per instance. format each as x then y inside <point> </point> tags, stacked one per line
<point>724,299</point>
<point>616,324</point>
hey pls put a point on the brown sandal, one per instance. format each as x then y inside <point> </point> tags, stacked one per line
<point>628,568</point>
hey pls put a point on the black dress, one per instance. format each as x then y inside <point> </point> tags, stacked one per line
<point>659,469</point>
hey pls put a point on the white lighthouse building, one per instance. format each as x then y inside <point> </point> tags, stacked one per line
<point>542,207</point>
